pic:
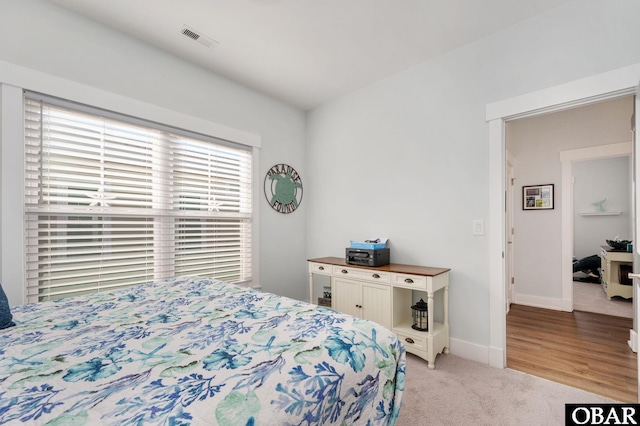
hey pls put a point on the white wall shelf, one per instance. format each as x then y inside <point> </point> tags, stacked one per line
<point>601,214</point>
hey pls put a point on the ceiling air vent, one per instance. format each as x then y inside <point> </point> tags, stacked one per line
<point>197,36</point>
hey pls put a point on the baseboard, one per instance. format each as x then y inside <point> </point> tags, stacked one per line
<point>633,340</point>
<point>468,350</point>
<point>497,357</point>
<point>538,302</point>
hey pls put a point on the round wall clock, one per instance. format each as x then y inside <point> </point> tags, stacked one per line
<point>283,188</point>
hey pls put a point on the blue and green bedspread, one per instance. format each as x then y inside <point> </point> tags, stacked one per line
<point>196,351</point>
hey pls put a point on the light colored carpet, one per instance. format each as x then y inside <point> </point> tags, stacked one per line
<point>589,297</point>
<point>462,392</point>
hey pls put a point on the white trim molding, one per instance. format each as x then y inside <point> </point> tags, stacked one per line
<point>613,84</point>
<point>609,85</point>
<point>48,84</point>
<point>12,250</point>
<point>538,302</point>
<point>497,242</point>
<point>468,350</point>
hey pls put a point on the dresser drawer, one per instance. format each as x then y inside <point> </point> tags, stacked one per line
<point>320,268</point>
<point>412,342</point>
<point>414,282</point>
<point>361,274</point>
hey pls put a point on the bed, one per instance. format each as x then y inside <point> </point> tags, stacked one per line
<point>196,351</point>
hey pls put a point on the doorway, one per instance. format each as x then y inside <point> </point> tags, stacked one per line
<point>545,149</point>
<point>563,342</point>
<point>602,200</point>
<point>609,85</point>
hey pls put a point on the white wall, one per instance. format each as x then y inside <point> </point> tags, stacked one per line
<point>46,38</point>
<point>596,180</point>
<point>536,143</point>
<point>408,157</point>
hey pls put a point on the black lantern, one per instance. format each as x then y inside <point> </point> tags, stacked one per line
<point>419,313</point>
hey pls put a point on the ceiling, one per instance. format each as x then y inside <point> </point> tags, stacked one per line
<point>307,52</point>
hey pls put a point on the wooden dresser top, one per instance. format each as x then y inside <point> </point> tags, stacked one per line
<point>391,267</point>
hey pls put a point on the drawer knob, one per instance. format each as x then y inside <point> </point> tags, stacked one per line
<point>321,268</point>
<point>408,281</point>
<point>344,271</point>
<point>375,276</point>
<point>358,306</point>
<point>409,340</point>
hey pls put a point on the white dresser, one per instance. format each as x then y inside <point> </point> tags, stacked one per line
<point>385,295</point>
<point>611,263</point>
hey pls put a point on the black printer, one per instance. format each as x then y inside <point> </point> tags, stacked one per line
<point>367,257</point>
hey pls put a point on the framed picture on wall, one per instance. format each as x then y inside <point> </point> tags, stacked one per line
<point>537,197</point>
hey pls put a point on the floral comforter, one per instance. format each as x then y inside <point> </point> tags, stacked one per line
<point>196,351</point>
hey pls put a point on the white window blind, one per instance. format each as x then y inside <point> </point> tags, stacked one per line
<point>112,202</point>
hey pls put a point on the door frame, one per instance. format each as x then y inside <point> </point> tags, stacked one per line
<point>605,86</point>
<point>567,158</point>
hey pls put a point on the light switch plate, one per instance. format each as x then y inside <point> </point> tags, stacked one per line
<point>478,227</point>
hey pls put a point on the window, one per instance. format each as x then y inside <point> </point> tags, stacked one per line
<point>112,201</point>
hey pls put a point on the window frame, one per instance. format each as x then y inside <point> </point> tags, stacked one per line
<point>69,144</point>
<point>12,85</point>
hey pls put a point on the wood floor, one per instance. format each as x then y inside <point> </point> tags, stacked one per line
<point>579,349</point>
